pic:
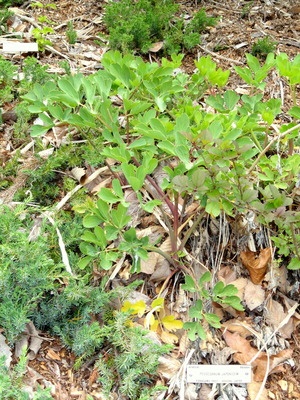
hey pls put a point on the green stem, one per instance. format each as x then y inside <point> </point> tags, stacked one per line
<point>269,145</point>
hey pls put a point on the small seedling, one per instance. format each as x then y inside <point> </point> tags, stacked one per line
<point>263,47</point>
<point>71,33</point>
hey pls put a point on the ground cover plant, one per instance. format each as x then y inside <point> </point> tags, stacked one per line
<point>219,159</point>
<point>138,25</point>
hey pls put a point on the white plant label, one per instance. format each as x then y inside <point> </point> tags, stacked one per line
<point>19,47</point>
<point>219,373</point>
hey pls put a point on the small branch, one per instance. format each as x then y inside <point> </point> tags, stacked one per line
<point>269,145</point>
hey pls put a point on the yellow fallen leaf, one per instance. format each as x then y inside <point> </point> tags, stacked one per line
<point>168,338</point>
<point>170,323</point>
<point>159,302</point>
<point>135,308</point>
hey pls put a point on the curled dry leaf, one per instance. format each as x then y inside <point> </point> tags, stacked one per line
<point>253,389</point>
<point>168,338</point>
<point>256,264</point>
<point>148,266</point>
<point>254,295</point>
<point>275,360</point>
<point>77,173</point>
<point>5,351</point>
<point>242,326</point>
<point>156,47</point>
<point>226,275</point>
<point>276,315</point>
<point>168,367</point>
<point>245,353</point>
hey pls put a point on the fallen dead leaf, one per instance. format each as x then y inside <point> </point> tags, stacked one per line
<point>244,351</point>
<point>148,266</point>
<point>156,47</point>
<point>275,360</point>
<point>53,355</point>
<point>276,315</point>
<point>168,367</point>
<point>254,295</point>
<point>5,350</point>
<point>253,389</point>
<point>239,325</point>
<point>256,264</point>
<point>226,275</point>
<point>168,338</point>
<point>240,284</point>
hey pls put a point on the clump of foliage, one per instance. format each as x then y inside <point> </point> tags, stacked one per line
<point>222,159</point>
<point>7,72</point>
<point>137,24</point>
<point>4,16</point>
<point>132,356</point>
<point>8,3</point>
<point>263,47</point>
<point>11,382</point>
<point>27,271</point>
<point>71,33</point>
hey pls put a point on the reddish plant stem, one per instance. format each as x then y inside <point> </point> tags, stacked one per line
<point>158,189</point>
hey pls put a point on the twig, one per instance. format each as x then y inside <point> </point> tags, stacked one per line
<point>220,57</point>
<point>270,144</point>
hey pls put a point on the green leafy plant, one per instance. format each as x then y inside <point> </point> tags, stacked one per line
<point>7,3</point>
<point>27,272</point>
<point>131,361</point>
<point>7,71</point>
<point>246,9</point>
<point>11,382</point>
<point>220,157</point>
<point>219,294</point>
<point>4,16</point>
<point>40,34</point>
<point>137,25</point>
<point>263,47</point>
<point>71,33</point>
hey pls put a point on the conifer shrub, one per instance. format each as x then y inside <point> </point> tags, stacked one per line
<point>136,25</point>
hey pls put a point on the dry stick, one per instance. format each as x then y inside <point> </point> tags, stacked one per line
<point>270,144</point>
<point>220,57</point>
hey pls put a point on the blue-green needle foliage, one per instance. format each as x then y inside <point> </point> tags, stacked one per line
<point>136,25</point>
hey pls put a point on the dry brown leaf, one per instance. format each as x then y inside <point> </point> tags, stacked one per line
<point>53,355</point>
<point>275,360</point>
<point>239,326</point>
<point>148,266</point>
<point>168,367</point>
<point>156,47</point>
<point>276,315</point>
<point>226,275</point>
<point>254,295</point>
<point>244,351</point>
<point>31,339</point>
<point>184,343</point>
<point>256,264</point>
<point>253,389</point>
<point>77,173</point>
<point>240,284</point>
<point>161,272</point>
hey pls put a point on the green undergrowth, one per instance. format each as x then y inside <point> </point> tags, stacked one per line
<point>137,25</point>
<point>12,382</point>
